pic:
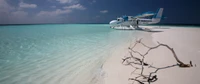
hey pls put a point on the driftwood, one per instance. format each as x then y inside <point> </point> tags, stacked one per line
<point>138,63</point>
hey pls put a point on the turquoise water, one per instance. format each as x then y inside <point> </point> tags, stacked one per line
<point>57,54</point>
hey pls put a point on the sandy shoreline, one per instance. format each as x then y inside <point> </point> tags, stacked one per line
<point>186,43</point>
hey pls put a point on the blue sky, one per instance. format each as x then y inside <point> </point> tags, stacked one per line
<point>93,11</point>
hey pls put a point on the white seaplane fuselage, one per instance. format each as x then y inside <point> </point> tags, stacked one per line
<point>133,22</point>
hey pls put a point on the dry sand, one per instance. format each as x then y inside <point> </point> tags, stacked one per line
<point>186,43</point>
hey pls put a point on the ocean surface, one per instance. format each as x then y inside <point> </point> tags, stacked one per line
<point>57,53</point>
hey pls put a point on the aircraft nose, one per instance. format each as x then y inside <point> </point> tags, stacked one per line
<point>112,22</point>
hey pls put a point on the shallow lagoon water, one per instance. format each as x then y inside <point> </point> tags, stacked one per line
<point>57,54</point>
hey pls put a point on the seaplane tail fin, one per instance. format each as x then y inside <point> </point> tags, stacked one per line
<point>157,17</point>
<point>159,13</point>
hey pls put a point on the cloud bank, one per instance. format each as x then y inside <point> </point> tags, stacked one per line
<point>104,11</point>
<point>25,5</point>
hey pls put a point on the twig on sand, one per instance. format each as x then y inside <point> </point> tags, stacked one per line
<point>134,61</point>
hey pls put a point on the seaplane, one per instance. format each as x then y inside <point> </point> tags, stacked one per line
<point>132,22</point>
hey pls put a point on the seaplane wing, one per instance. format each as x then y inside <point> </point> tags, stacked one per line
<point>144,16</point>
<point>145,19</point>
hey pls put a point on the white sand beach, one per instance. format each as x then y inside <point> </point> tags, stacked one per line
<point>185,42</point>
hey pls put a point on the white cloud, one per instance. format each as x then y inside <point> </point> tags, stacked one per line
<point>104,11</point>
<point>67,1</point>
<point>25,5</point>
<point>5,10</point>
<point>76,6</point>
<point>97,16</point>
<point>93,1</point>
<point>5,7</point>
<point>19,17</point>
<point>10,14</point>
<point>15,17</point>
<point>53,13</point>
<point>53,6</point>
<point>19,13</point>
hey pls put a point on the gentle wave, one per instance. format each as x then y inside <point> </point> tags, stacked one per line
<point>37,55</point>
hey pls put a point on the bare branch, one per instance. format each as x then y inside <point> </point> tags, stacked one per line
<point>133,61</point>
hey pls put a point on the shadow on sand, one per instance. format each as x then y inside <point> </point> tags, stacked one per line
<point>149,30</point>
<point>145,29</point>
<point>160,28</point>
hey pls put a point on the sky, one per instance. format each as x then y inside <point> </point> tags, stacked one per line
<point>94,11</point>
